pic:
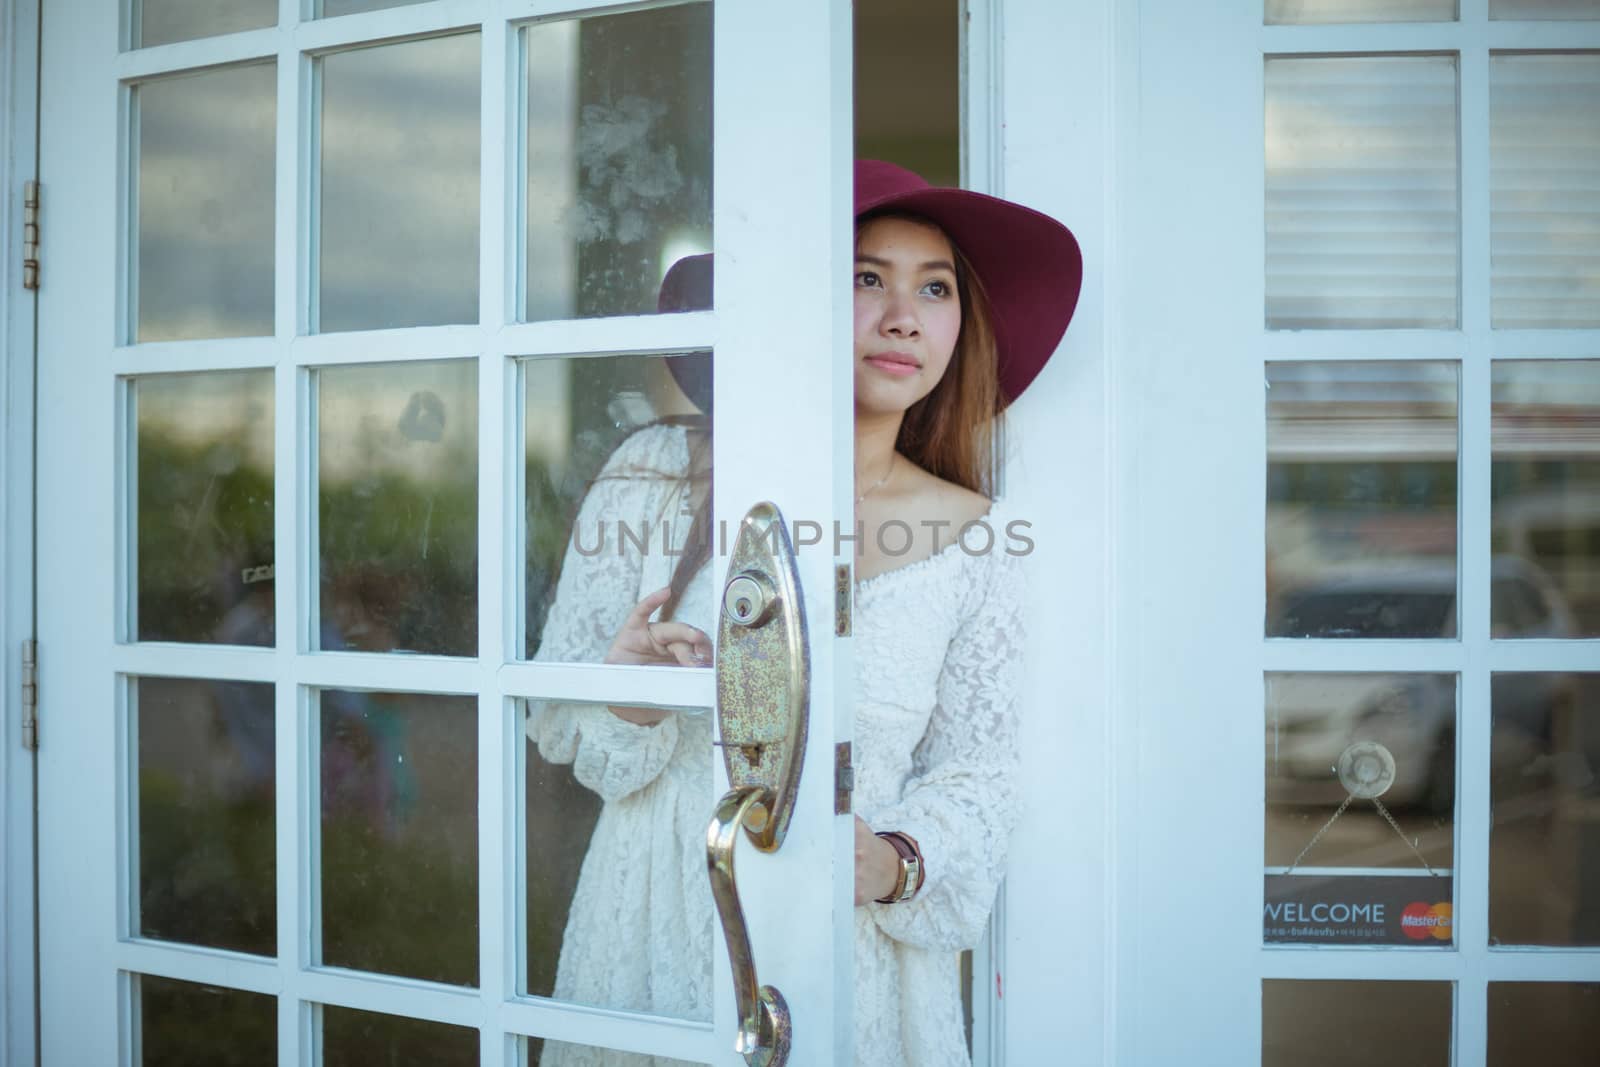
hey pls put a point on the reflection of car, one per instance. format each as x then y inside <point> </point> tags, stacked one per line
<point>1313,717</point>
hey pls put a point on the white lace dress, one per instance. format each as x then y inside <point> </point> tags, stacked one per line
<point>935,754</point>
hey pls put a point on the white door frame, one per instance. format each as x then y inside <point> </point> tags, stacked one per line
<point>85,940</point>
<point>18,141</point>
<point>1054,141</point>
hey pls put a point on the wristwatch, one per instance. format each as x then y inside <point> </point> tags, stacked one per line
<point>909,878</point>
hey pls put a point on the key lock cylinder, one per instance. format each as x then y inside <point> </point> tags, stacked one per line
<point>763,678</point>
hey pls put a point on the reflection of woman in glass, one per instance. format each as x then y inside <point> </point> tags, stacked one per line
<point>959,301</point>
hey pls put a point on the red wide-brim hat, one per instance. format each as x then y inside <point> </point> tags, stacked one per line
<point>1029,264</point>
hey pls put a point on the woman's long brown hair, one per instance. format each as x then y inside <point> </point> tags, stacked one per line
<point>956,432</point>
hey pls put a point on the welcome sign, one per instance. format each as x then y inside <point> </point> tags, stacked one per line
<point>1357,909</point>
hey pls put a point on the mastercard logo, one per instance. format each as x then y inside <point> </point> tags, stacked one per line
<point>1420,921</point>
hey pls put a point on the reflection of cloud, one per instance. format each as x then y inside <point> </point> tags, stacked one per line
<point>368,421</point>
<point>399,205</point>
<point>206,196</point>
<point>201,409</point>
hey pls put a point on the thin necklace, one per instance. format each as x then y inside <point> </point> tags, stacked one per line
<point>879,483</point>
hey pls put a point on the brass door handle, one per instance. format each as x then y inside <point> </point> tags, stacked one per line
<point>763,1038</point>
<point>763,702</point>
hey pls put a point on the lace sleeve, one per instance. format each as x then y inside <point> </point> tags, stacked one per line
<point>596,591</point>
<point>960,802</point>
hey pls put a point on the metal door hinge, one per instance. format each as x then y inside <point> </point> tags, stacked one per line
<point>841,600</point>
<point>30,235</point>
<point>30,695</point>
<point>844,778</point>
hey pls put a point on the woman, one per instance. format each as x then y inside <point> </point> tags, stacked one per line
<point>959,301</point>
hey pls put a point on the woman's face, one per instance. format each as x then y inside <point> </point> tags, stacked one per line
<point>908,313</point>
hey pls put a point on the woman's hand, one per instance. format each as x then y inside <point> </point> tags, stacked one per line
<point>877,865</point>
<point>642,642</point>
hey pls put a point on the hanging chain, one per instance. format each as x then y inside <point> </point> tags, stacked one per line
<point>1402,835</point>
<point>1340,810</point>
<point>1318,835</point>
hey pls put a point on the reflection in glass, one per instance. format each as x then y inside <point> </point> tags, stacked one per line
<point>399,185</point>
<point>330,8</point>
<point>399,834</point>
<point>204,463</point>
<point>532,1054</point>
<point>1544,9</point>
<point>183,1023</point>
<point>1544,157</point>
<point>1544,847</point>
<point>1312,719</point>
<point>642,877</point>
<point>1559,1019</point>
<point>1336,1024</point>
<point>169,21</point>
<point>578,414</point>
<point>207,847</point>
<point>1361,500</point>
<point>1546,498</point>
<point>1362,192</point>
<point>352,1038</point>
<point>203,259</point>
<point>1304,12</point>
<point>398,507</point>
<point>619,157</point>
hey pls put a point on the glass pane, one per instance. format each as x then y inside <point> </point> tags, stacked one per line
<point>618,915</point>
<point>1337,1024</point>
<point>397,501</point>
<point>352,1038</point>
<point>399,185</point>
<point>168,21</point>
<point>1546,498</point>
<point>1361,500</point>
<point>207,846</point>
<point>182,1024</point>
<point>1544,848</point>
<point>532,1053</point>
<point>1559,1019</point>
<point>1544,9</point>
<point>1544,155</point>
<point>1360,772</point>
<point>399,834</point>
<point>330,8</point>
<point>609,446</point>
<point>1362,192</point>
<point>204,465</point>
<point>619,157</point>
<point>203,259</point>
<point>1303,12</point>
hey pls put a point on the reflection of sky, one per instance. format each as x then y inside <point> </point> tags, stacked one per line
<point>206,165</point>
<point>166,21</point>
<point>400,149</point>
<point>1545,189</point>
<point>1361,192</point>
<point>1323,11</point>
<point>199,409</point>
<point>415,419</point>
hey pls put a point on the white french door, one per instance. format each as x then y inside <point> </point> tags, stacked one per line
<point>1359,383</point>
<point>351,313</point>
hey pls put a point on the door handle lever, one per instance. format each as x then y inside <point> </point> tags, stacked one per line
<point>763,700</point>
<point>763,1038</point>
